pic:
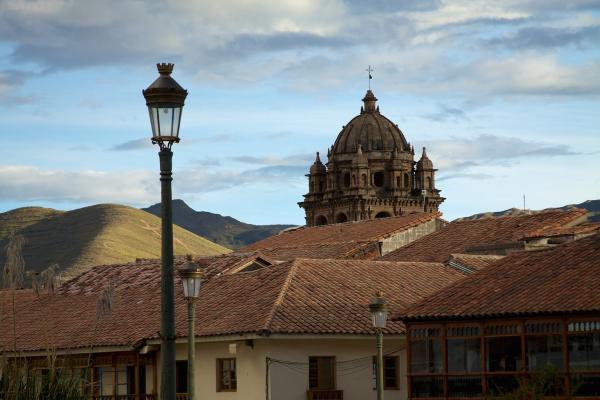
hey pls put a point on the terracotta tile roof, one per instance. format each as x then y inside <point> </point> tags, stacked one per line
<point>332,296</point>
<point>301,296</point>
<point>578,230</point>
<point>473,262</point>
<point>459,236</point>
<point>562,279</point>
<point>347,240</point>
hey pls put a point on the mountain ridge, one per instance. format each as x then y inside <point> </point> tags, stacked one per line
<point>224,230</point>
<point>592,206</point>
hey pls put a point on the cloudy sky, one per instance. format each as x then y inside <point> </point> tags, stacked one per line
<point>505,95</point>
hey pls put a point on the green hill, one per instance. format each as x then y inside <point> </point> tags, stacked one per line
<point>226,231</point>
<point>99,234</point>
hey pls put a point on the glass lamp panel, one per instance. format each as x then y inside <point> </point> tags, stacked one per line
<point>197,284</point>
<point>176,120</point>
<point>186,287</point>
<point>165,121</point>
<point>379,319</point>
<point>153,111</point>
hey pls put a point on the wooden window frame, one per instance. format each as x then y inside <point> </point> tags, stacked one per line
<point>333,372</point>
<point>219,370</point>
<point>567,372</point>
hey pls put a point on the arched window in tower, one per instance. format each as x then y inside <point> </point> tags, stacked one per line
<point>341,217</point>
<point>320,186</point>
<point>364,180</point>
<point>406,181</point>
<point>398,182</point>
<point>378,178</point>
<point>347,179</point>
<point>321,220</point>
<point>428,182</point>
<point>383,214</point>
<point>353,180</point>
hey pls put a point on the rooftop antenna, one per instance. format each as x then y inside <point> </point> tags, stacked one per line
<point>524,208</point>
<point>369,70</point>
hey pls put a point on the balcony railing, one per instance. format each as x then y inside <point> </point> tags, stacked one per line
<point>129,397</point>
<point>324,394</point>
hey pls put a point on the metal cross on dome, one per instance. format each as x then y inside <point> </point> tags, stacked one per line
<point>369,70</point>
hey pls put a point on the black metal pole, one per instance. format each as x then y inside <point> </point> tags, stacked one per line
<point>167,308</point>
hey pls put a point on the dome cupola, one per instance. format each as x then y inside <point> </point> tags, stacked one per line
<point>424,162</point>
<point>371,130</point>
<point>318,167</point>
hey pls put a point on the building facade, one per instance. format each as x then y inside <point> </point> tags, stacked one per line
<point>529,322</point>
<point>370,173</point>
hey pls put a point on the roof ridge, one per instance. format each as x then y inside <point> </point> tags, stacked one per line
<point>280,297</point>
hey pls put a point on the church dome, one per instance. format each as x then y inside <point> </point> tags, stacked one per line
<point>371,130</point>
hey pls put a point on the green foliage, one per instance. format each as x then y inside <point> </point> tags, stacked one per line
<point>19,381</point>
<point>542,383</point>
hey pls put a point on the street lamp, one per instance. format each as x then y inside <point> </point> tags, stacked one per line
<point>165,98</point>
<point>191,278</point>
<point>378,308</point>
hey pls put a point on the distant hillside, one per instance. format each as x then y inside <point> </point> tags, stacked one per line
<point>100,234</point>
<point>226,231</point>
<point>593,206</point>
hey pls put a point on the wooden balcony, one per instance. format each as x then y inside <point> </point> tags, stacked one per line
<point>324,394</point>
<point>129,397</point>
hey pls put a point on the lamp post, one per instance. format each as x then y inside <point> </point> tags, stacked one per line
<point>165,99</point>
<point>378,308</point>
<point>191,278</point>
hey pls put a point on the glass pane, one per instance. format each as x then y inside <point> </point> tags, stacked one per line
<point>502,385</point>
<point>584,351</point>
<point>426,355</point>
<point>503,353</point>
<point>326,369</point>
<point>543,351</point>
<point>390,372</point>
<point>176,120</point>
<point>165,121</point>
<point>153,119</point>
<point>427,386</point>
<point>465,386</point>
<point>464,355</point>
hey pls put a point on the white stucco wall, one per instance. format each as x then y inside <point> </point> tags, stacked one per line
<point>290,382</point>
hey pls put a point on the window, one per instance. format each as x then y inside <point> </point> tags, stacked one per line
<point>544,350</point>
<point>391,372</point>
<point>503,353</point>
<point>398,182</point>
<point>181,376</point>
<point>584,351</point>
<point>406,181</point>
<point>341,217</point>
<point>226,375</point>
<point>464,355</point>
<point>347,179</point>
<point>364,179</point>
<point>321,373</point>
<point>378,178</point>
<point>321,220</point>
<point>426,350</point>
<point>428,182</point>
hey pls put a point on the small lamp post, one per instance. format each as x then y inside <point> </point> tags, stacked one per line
<point>378,308</point>
<point>165,99</point>
<point>191,278</point>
